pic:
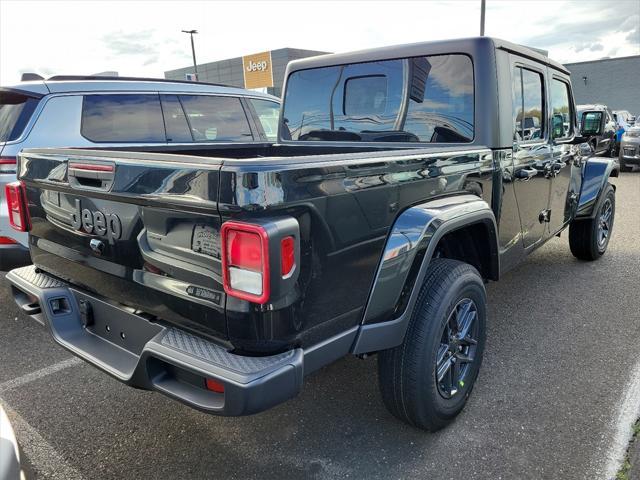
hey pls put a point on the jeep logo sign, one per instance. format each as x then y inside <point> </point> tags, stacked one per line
<point>102,224</point>
<point>258,70</point>
<point>253,67</point>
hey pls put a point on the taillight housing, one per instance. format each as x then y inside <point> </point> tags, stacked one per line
<point>16,196</point>
<point>259,259</point>
<point>245,261</point>
<point>8,165</point>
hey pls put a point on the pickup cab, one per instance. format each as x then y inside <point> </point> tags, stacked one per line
<point>401,182</point>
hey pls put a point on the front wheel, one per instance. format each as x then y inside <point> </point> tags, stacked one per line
<point>427,380</point>
<point>589,238</point>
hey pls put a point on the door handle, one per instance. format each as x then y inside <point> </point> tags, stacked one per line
<point>526,174</point>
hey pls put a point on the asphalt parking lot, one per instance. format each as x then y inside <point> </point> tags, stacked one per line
<point>557,393</point>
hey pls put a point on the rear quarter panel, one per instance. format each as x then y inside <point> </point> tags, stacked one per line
<point>345,208</point>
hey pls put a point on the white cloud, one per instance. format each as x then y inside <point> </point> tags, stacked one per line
<point>145,39</point>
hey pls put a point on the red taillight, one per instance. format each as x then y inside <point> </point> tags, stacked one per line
<point>245,261</point>
<point>8,164</point>
<point>245,250</point>
<point>287,256</point>
<point>17,203</point>
<point>214,385</point>
<point>7,241</point>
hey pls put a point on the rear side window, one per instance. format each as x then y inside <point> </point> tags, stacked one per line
<point>130,118</point>
<point>268,113</point>
<point>216,119</point>
<point>15,112</point>
<point>528,107</point>
<point>419,99</point>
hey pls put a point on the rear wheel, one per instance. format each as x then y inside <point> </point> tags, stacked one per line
<point>589,239</point>
<point>427,380</point>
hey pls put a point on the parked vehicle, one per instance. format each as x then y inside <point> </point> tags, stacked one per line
<point>630,149</point>
<point>10,468</point>
<point>601,128</point>
<point>97,112</point>
<point>626,117</point>
<point>399,185</point>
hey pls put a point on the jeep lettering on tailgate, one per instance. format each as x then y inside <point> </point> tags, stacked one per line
<point>103,224</point>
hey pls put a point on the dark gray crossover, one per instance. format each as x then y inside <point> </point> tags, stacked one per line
<point>403,179</point>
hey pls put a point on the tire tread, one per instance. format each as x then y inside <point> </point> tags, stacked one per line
<point>400,367</point>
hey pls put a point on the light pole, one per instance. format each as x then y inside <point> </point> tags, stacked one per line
<point>193,50</point>
<point>482,7</point>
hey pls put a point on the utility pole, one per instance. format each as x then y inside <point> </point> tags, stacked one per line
<point>193,50</point>
<point>482,8</point>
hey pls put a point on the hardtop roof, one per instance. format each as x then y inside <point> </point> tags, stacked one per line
<point>460,45</point>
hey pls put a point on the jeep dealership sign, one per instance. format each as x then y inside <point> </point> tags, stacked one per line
<point>257,69</point>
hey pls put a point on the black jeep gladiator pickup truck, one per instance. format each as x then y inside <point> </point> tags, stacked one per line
<point>401,182</point>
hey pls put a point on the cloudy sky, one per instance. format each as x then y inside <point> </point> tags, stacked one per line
<point>143,38</point>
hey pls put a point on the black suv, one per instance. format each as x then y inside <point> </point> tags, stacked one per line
<point>599,126</point>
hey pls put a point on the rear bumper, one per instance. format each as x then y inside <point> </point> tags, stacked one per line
<point>155,356</point>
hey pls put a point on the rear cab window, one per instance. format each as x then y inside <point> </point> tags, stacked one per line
<point>426,99</point>
<point>16,110</point>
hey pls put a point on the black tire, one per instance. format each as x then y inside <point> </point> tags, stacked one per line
<point>586,236</point>
<point>407,373</point>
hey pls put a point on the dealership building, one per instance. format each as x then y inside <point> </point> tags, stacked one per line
<point>614,82</point>
<point>263,71</point>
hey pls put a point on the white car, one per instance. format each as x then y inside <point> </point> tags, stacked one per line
<point>94,112</point>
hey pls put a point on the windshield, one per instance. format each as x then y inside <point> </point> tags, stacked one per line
<point>418,99</point>
<point>15,112</point>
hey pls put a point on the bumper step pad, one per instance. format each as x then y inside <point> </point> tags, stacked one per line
<point>215,354</point>
<point>37,278</point>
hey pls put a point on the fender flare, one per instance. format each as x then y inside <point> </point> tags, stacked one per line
<point>595,175</point>
<point>408,251</point>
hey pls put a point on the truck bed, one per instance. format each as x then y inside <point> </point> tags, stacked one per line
<point>166,263</point>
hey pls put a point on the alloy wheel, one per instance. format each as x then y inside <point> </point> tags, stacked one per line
<point>457,349</point>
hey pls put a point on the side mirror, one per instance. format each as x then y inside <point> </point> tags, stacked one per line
<point>591,123</point>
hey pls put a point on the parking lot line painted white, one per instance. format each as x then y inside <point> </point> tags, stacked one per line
<point>628,413</point>
<point>47,462</point>
<point>43,372</point>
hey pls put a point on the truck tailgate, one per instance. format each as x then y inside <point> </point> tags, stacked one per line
<point>137,230</point>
